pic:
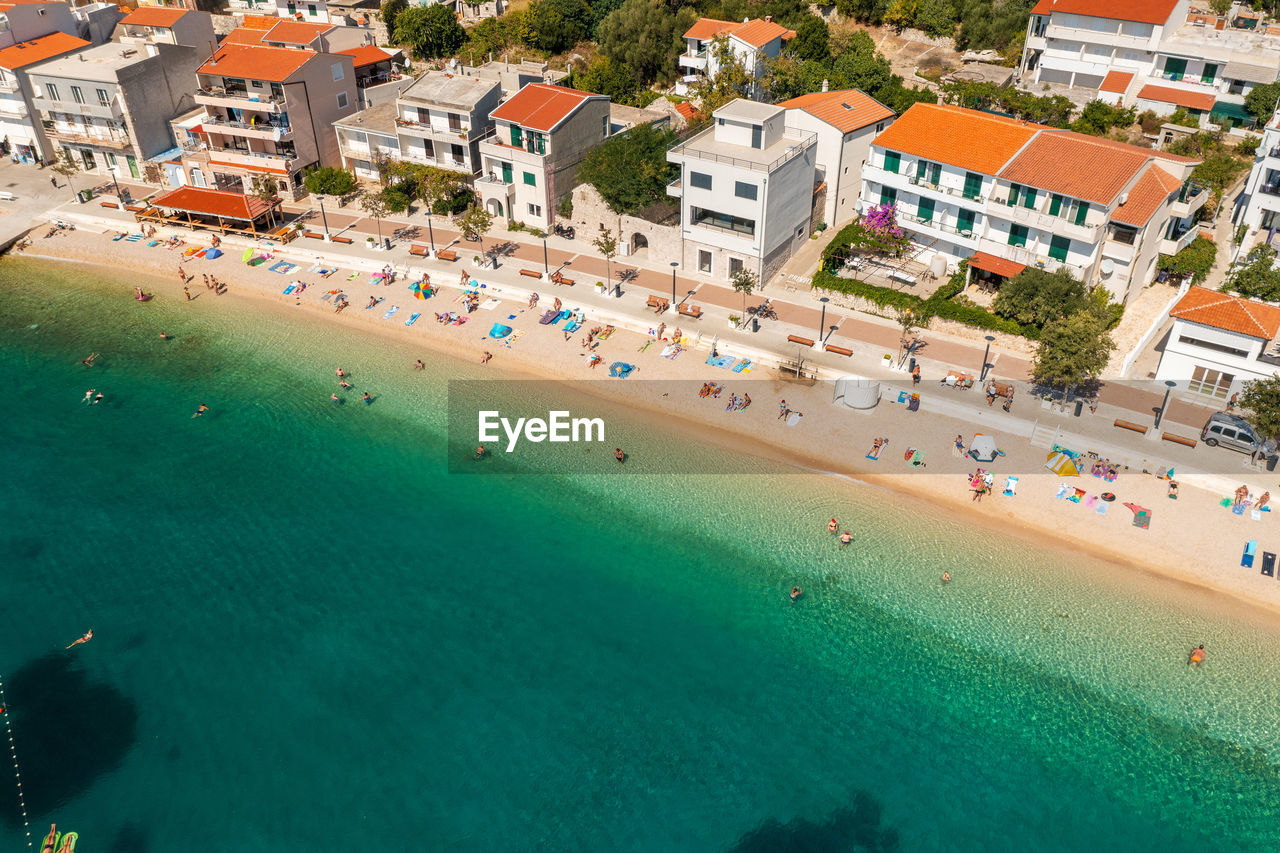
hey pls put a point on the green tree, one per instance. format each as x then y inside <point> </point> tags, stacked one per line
<point>557,25</point>
<point>328,180</point>
<point>265,187</point>
<point>1248,145</point>
<point>1218,170</point>
<point>607,245</point>
<point>1073,349</point>
<point>375,205</point>
<point>812,41</point>
<point>900,14</point>
<point>391,10</point>
<point>910,319</point>
<point>638,38</point>
<point>935,17</point>
<point>1194,260</point>
<point>396,199</point>
<point>630,171</point>
<point>1260,400</point>
<point>496,35</point>
<point>1036,297</point>
<point>863,11</point>
<point>430,31</point>
<point>744,281</point>
<point>992,25</point>
<point>1261,101</point>
<point>606,77</point>
<point>1097,118</point>
<point>476,221</point>
<point>731,80</point>
<point>67,166</point>
<point>1257,277</point>
<point>1220,7</point>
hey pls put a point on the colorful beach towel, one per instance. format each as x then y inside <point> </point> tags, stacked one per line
<point>391,312</point>
<point>283,267</point>
<point>371,305</point>
<point>133,238</point>
<point>413,319</point>
<point>720,360</point>
<point>743,366</point>
<point>290,289</point>
<point>1075,498</point>
<point>515,336</point>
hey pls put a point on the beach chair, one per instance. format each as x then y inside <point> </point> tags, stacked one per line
<point>1268,564</point>
<point>1250,549</point>
<point>1010,486</point>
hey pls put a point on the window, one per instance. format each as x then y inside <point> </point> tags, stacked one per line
<point>338,73</point>
<point>455,122</point>
<point>1213,383</point>
<point>704,258</point>
<point>506,173</point>
<point>1014,190</point>
<point>928,173</point>
<point>517,139</point>
<point>342,100</point>
<point>1055,204</point>
<point>1018,235</point>
<point>964,222</point>
<point>1058,248</point>
<point>535,210</point>
<point>52,91</point>
<point>972,185</point>
<point>735,265</point>
<point>924,209</point>
<point>725,221</point>
<point>1222,348</point>
<point>892,160</point>
<point>77,95</point>
<point>1174,68</point>
<point>103,98</point>
<point>699,180</point>
<point>530,180</point>
<point>311,9</point>
<point>881,126</point>
<point>537,143</point>
<point>744,190</point>
<point>1209,73</point>
<point>757,136</point>
<point>604,128</point>
<point>1126,236</point>
<point>888,195</point>
<point>1081,213</point>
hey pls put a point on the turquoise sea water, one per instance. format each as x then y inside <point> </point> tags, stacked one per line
<point>308,633</point>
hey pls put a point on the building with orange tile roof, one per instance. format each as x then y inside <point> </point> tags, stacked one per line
<point>24,21</point>
<point>752,42</point>
<point>155,25</point>
<point>966,182</point>
<point>19,120</point>
<point>845,121</point>
<point>270,112</point>
<point>1153,54</point>
<point>322,37</point>
<point>1219,342</point>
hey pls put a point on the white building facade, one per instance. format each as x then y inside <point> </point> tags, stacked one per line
<point>752,43</point>
<point>1219,342</point>
<point>1259,207</point>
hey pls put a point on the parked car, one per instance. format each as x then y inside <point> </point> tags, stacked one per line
<point>1231,431</point>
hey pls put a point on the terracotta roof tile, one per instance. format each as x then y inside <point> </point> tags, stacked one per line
<point>213,203</point>
<point>26,53</point>
<point>369,54</point>
<point>243,35</point>
<point>845,110</point>
<point>705,29</point>
<point>1142,11</point>
<point>260,22</point>
<point>967,139</point>
<point>686,109</point>
<point>1116,81</point>
<point>153,16</point>
<point>296,32</point>
<point>254,62</point>
<point>759,32</point>
<point>1075,165</point>
<point>542,106</point>
<point>995,264</point>
<point>1145,197</point>
<point>1232,313</point>
<point>1178,97</point>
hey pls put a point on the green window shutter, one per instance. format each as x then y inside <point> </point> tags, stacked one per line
<point>1058,248</point>
<point>892,159</point>
<point>1210,72</point>
<point>964,222</point>
<point>516,138</point>
<point>924,209</point>
<point>530,180</point>
<point>1174,68</point>
<point>506,172</point>
<point>1014,189</point>
<point>1018,235</point>
<point>972,185</point>
<point>1082,210</point>
<point>935,173</point>
<point>922,168</point>
<point>1055,205</point>
<point>888,195</point>
<point>1029,199</point>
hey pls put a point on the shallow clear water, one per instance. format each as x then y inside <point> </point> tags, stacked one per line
<point>308,632</point>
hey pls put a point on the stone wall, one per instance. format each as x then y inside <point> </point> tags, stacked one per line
<point>590,213</point>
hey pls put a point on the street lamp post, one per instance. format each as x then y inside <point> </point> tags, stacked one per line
<point>1167,391</point>
<point>985,358</point>
<point>112,170</point>
<point>546,267</point>
<point>674,265</point>
<point>822,321</point>
<point>431,234</point>
<point>323,219</point>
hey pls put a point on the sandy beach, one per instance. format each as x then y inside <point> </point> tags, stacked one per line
<point>1191,540</point>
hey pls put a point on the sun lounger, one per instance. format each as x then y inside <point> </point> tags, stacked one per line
<point>413,319</point>
<point>572,326</point>
<point>1010,486</point>
<point>1250,548</point>
<point>549,317</point>
<point>1268,564</point>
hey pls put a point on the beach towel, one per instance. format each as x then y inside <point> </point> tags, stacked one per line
<point>1091,501</point>
<point>1141,516</point>
<point>282,267</point>
<point>153,243</point>
<point>371,305</point>
<point>133,238</point>
<point>1075,498</point>
<point>1250,548</point>
<point>1268,564</point>
<point>1010,485</point>
<point>327,297</point>
<point>1255,514</point>
<point>413,319</point>
<point>490,303</point>
<point>671,351</point>
<point>1062,491</point>
<point>1237,509</point>
<point>793,419</point>
<point>391,312</point>
<point>289,289</point>
<point>572,326</point>
<point>720,361</point>
<point>913,404</point>
<point>1225,502</point>
<point>515,336</point>
<point>742,366</point>
<point>353,276</point>
<point>1102,509</point>
<point>194,250</point>
<point>621,369</point>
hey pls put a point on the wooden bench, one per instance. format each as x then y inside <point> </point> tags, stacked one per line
<point>110,204</point>
<point>135,208</point>
<point>1131,426</point>
<point>690,311</point>
<point>420,251</point>
<point>447,255</point>
<point>657,303</point>
<point>530,273</point>
<point>838,350</point>
<point>796,339</point>
<point>1177,439</point>
<point>313,235</point>
<point>337,239</point>
<point>557,278</point>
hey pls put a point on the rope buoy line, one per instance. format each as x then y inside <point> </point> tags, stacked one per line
<point>17,774</point>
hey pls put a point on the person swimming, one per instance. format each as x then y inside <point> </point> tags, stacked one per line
<point>796,592</point>
<point>619,455</point>
<point>832,527</point>
<point>481,452</point>
<point>946,577</point>
<point>1197,655</point>
<point>88,397</point>
<point>88,362</point>
<point>345,384</point>
<point>86,638</point>
<point>335,398</point>
<point>200,411</point>
<point>367,398</point>
<point>845,538</point>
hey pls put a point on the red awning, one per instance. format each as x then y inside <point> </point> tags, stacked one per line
<point>207,202</point>
<point>994,264</point>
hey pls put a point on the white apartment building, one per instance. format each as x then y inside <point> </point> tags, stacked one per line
<point>752,42</point>
<point>530,159</point>
<point>1218,342</point>
<point>1154,54</point>
<point>158,25</point>
<point>845,122</point>
<point>746,191</point>
<point>20,123</point>
<point>22,22</point>
<point>1007,194</point>
<point>1258,208</point>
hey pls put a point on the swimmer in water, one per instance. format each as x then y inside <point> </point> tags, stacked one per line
<point>619,455</point>
<point>845,538</point>
<point>481,452</point>
<point>367,398</point>
<point>946,577</point>
<point>97,398</point>
<point>200,411</point>
<point>88,397</point>
<point>344,384</point>
<point>334,398</point>
<point>340,373</point>
<point>1197,655</point>
<point>832,527</point>
<point>86,638</point>
<point>796,592</point>
<point>164,336</point>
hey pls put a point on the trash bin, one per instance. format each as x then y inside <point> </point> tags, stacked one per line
<point>755,325</point>
<point>84,196</point>
<point>912,365</point>
<point>1271,462</point>
<point>386,243</point>
<point>1079,408</point>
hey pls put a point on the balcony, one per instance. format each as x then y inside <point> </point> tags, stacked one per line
<point>253,160</point>
<point>1114,39</point>
<point>12,108</point>
<point>109,110</point>
<point>10,86</point>
<point>675,188</point>
<point>240,99</point>
<point>1173,245</point>
<point>1191,199</point>
<point>120,142</point>
<point>492,185</point>
<point>1270,189</point>
<point>1121,251</point>
<point>455,164</point>
<point>943,190</point>
<point>701,145</point>
<point>258,130</point>
<point>428,131</point>
<point>938,227</point>
<point>693,60</point>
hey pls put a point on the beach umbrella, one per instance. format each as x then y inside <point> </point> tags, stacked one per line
<point>248,254</point>
<point>1062,465</point>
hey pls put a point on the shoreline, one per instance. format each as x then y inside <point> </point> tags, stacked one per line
<point>1173,549</point>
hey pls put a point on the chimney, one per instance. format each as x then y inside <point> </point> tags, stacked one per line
<point>826,84</point>
<point>768,19</point>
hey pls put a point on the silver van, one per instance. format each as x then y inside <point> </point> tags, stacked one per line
<point>1230,431</point>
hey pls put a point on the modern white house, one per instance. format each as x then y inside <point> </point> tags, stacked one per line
<point>1258,208</point>
<point>845,122</point>
<point>1006,194</point>
<point>1219,341</point>
<point>441,119</point>
<point>159,25</point>
<point>1155,54</point>
<point>746,191</point>
<point>20,122</point>
<point>752,42</point>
